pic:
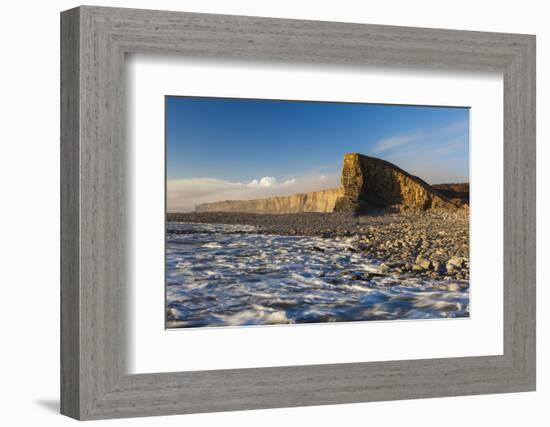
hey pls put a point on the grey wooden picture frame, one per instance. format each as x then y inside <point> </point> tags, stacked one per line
<point>94,381</point>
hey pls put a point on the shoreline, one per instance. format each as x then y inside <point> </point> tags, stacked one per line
<point>432,244</point>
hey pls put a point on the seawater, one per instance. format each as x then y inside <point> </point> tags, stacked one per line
<point>228,275</point>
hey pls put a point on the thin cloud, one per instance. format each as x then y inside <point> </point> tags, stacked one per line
<point>393,142</point>
<point>456,126</point>
<point>389,143</point>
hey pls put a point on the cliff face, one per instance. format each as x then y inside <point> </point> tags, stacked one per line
<point>317,201</point>
<point>369,182</point>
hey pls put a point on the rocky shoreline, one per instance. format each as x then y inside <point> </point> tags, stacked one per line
<point>431,243</point>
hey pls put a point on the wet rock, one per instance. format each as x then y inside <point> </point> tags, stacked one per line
<point>425,264</point>
<point>456,262</point>
<point>384,267</point>
<point>371,274</point>
<point>352,239</point>
<point>361,246</point>
<point>171,314</point>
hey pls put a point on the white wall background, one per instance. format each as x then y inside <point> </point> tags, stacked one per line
<point>29,212</point>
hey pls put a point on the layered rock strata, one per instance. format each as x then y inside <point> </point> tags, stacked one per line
<point>367,183</point>
<point>317,201</point>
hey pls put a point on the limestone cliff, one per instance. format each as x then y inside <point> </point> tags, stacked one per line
<point>317,201</point>
<point>369,182</point>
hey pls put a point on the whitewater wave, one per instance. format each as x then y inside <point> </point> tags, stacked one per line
<point>227,275</point>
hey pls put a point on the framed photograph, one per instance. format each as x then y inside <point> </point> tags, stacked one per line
<point>272,222</point>
<point>262,213</point>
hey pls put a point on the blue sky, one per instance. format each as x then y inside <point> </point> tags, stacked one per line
<point>222,149</point>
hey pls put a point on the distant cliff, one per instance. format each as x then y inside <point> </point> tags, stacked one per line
<point>455,191</point>
<point>317,201</point>
<point>367,183</point>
